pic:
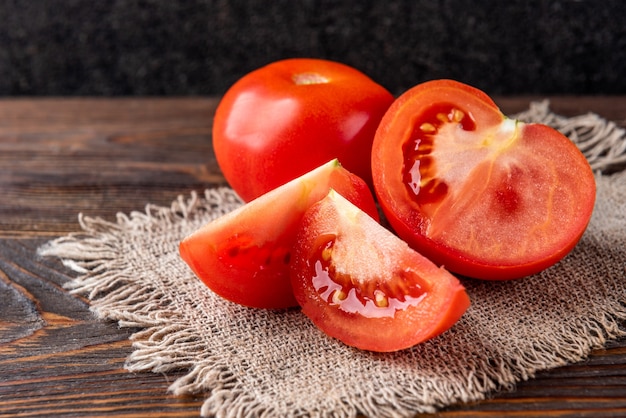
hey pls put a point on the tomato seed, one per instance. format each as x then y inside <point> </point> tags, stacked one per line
<point>380,299</point>
<point>457,115</point>
<point>327,253</point>
<point>442,117</point>
<point>338,296</point>
<point>428,128</point>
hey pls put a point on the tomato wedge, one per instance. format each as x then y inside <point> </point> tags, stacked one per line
<point>244,256</point>
<point>361,284</point>
<point>486,196</point>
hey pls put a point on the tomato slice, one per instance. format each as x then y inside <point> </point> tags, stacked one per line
<point>244,256</point>
<point>486,196</point>
<point>361,284</point>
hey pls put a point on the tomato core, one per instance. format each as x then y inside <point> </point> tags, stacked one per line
<point>371,299</point>
<point>445,147</point>
<point>420,169</point>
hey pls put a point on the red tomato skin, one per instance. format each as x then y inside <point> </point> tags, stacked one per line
<point>270,128</point>
<point>444,301</point>
<point>539,148</point>
<point>244,256</point>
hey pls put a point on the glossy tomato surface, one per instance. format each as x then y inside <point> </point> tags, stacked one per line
<point>485,196</point>
<point>288,117</point>
<point>244,256</point>
<point>361,284</point>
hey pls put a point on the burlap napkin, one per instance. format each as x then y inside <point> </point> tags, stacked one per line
<point>253,362</point>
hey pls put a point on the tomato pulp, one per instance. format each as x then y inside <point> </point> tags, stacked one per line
<point>284,119</point>
<point>244,256</point>
<point>361,284</point>
<point>486,196</point>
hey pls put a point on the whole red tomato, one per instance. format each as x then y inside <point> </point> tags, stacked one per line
<point>282,120</point>
<point>484,195</point>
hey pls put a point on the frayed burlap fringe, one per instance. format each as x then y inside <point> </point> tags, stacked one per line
<point>261,363</point>
<point>602,141</point>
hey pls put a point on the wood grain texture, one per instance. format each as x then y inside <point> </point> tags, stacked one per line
<point>59,157</point>
<point>98,157</point>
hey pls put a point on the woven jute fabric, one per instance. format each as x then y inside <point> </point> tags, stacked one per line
<point>266,363</point>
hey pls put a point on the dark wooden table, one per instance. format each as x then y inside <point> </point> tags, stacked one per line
<point>59,157</point>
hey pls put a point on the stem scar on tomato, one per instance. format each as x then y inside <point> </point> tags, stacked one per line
<point>308,78</point>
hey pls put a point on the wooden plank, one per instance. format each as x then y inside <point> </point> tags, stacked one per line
<point>98,157</point>
<point>59,157</point>
<point>57,359</point>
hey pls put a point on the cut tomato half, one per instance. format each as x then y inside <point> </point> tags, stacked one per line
<point>486,196</point>
<point>244,256</point>
<point>361,284</point>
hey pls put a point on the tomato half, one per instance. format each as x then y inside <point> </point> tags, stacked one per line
<point>244,256</point>
<point>361,284</point>
<point>486,196</point>
<point>284,119</point>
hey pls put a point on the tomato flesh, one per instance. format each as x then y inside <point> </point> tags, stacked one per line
<point>361,284</point>
<point>244,256</point>
<point>484,195</point>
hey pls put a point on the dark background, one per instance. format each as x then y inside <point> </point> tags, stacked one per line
<point>200,47</point>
